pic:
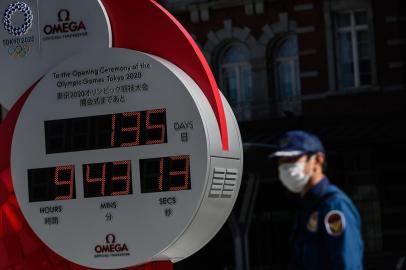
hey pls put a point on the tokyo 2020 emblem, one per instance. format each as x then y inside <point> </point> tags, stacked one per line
<point>17,21</point>
<point>18,7</point>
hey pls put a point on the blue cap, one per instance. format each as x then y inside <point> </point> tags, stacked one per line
<point>298,142</point>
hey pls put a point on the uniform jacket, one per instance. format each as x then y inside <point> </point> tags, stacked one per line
<point>327,231</point>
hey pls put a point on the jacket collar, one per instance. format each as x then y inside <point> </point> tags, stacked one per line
<point>314,194</point>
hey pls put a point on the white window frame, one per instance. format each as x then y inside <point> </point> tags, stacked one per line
<point>296,79</point>
<point>241,95</point>
<point>353,28</point>
<point>330,8</point>
<point>292,103</point>
<point>238,67</point>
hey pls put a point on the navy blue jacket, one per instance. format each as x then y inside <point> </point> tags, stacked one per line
<point>327,232</point>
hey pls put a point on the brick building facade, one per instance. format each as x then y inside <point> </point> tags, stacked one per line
<point>334,67</point>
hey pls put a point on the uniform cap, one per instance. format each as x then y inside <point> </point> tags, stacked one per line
<point>298,142</point>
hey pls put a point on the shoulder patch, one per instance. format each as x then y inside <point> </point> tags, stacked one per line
<point>334,223</point>
<point>313,223</point>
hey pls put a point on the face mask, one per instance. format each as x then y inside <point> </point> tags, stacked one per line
<point>293,176</point>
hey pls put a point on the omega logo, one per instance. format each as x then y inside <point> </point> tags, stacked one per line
<point>110,239</point>
<point>64,25</point>
<point>64,15</point>
<point>111,246</point>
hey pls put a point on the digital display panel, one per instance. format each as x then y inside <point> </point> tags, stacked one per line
<point>51,184</point>
<point>107,179</point>
<point>106,131</point>
<point>165,174</point>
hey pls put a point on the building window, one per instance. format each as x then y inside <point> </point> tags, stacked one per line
<point>287,69</point>
<point>286,73</point>
<point>236,75</point>
<point>353,49</point>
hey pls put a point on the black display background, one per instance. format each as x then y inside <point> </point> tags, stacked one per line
<point>150,173</point>
<point>95,132</point>
<point>94,189</point>
<point>42,187</point>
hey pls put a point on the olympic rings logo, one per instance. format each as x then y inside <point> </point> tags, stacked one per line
<point>28,18</point>
<point>19,51</point>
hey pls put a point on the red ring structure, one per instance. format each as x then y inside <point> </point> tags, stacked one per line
<point>154,30</point>
<point>141,25</point>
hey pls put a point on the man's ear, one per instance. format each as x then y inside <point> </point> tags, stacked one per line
<point>320,159</point>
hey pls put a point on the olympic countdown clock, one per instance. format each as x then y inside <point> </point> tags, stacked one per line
<point>117,161</point>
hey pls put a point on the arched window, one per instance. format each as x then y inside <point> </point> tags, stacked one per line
<point>235,74</point>
<point>287,69</point>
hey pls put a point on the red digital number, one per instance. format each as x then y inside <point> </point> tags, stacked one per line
<point>65,182</point>
<point>184,173</point>
<point>101,179</point>
<point>113,130</point>
<point>126,178</point>
<point>135,129</point>
<point>161,174</point>
<point>150,126</point>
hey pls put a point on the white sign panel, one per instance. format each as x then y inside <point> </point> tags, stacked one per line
<point>117,161</point>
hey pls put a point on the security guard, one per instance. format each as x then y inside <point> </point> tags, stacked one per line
<point>327,232</point>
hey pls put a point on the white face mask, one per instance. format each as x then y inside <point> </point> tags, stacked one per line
<point>293,176</point>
